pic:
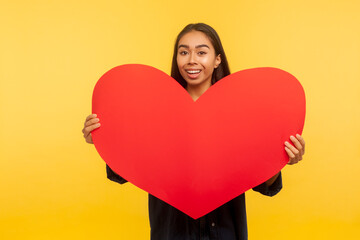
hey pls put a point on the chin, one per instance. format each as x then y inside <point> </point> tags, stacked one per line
<point>193,82</point>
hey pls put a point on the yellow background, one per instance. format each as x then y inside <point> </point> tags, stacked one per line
<point>53,185</point>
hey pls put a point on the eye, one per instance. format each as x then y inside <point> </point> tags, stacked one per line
<point>201,53</point>
<point>183,52</point>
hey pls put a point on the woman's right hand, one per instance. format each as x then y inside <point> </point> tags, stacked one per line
<point>90,124</point>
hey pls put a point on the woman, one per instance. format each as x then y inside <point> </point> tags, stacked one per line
<point>198,62</point>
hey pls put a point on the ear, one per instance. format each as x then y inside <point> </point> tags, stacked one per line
<point>217,60</point>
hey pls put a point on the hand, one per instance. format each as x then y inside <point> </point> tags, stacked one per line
<point>295,153</point>
<point>90,124</point>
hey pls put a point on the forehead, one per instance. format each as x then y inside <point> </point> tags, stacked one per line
<point>195,38</point>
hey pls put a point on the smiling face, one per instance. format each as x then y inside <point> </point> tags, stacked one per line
<point>196,59</point>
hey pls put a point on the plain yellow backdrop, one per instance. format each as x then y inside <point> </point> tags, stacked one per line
<point>53,185</point>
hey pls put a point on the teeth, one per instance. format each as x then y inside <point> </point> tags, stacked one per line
<point>193,71</point>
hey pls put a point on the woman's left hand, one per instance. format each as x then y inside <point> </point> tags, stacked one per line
<point>295,153</point>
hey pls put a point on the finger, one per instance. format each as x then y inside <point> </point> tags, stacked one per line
<point>289,153</point>
<point>91,128</point>
<point>91,122</point>
<point>90,117</point>
<point>292,148</point>
<point>88,130</point>
<point>301,140</point>
<point>297,144</point>
<point>292,157</point>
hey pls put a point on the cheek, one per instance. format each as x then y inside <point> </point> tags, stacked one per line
<point>208,61</point>
<point>180,63</point>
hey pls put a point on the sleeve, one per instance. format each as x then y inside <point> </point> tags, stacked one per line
<point>114,176</point>
<point>271,190</point>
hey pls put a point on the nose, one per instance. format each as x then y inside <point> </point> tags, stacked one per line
<point>192,59</point>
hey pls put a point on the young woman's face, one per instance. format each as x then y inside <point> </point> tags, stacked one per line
<point>196,58</point>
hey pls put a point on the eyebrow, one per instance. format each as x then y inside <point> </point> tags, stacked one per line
<point>198,46</point>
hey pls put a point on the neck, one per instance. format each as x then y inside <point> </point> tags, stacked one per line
<point>196,91</point>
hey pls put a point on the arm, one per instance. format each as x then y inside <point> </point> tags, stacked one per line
<point>270,189</point>
<point>272,180</point>
<point>91,123</point>
<point>114,176</point>
<point>295,152</point>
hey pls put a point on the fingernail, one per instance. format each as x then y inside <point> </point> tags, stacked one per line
<point>98,124</point>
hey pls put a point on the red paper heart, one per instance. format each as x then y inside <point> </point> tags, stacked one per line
<point>199,155</point>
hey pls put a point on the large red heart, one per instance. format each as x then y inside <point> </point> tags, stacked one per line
<point>199,155</point>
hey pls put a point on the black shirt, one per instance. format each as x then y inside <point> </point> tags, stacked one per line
<point>227,222</point>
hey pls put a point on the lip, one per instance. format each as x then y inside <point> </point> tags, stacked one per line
<point>193,75</point>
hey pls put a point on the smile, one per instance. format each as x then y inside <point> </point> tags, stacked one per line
<point>193,71</point>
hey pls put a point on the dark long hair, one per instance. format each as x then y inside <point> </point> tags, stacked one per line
<point>221,71</point>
